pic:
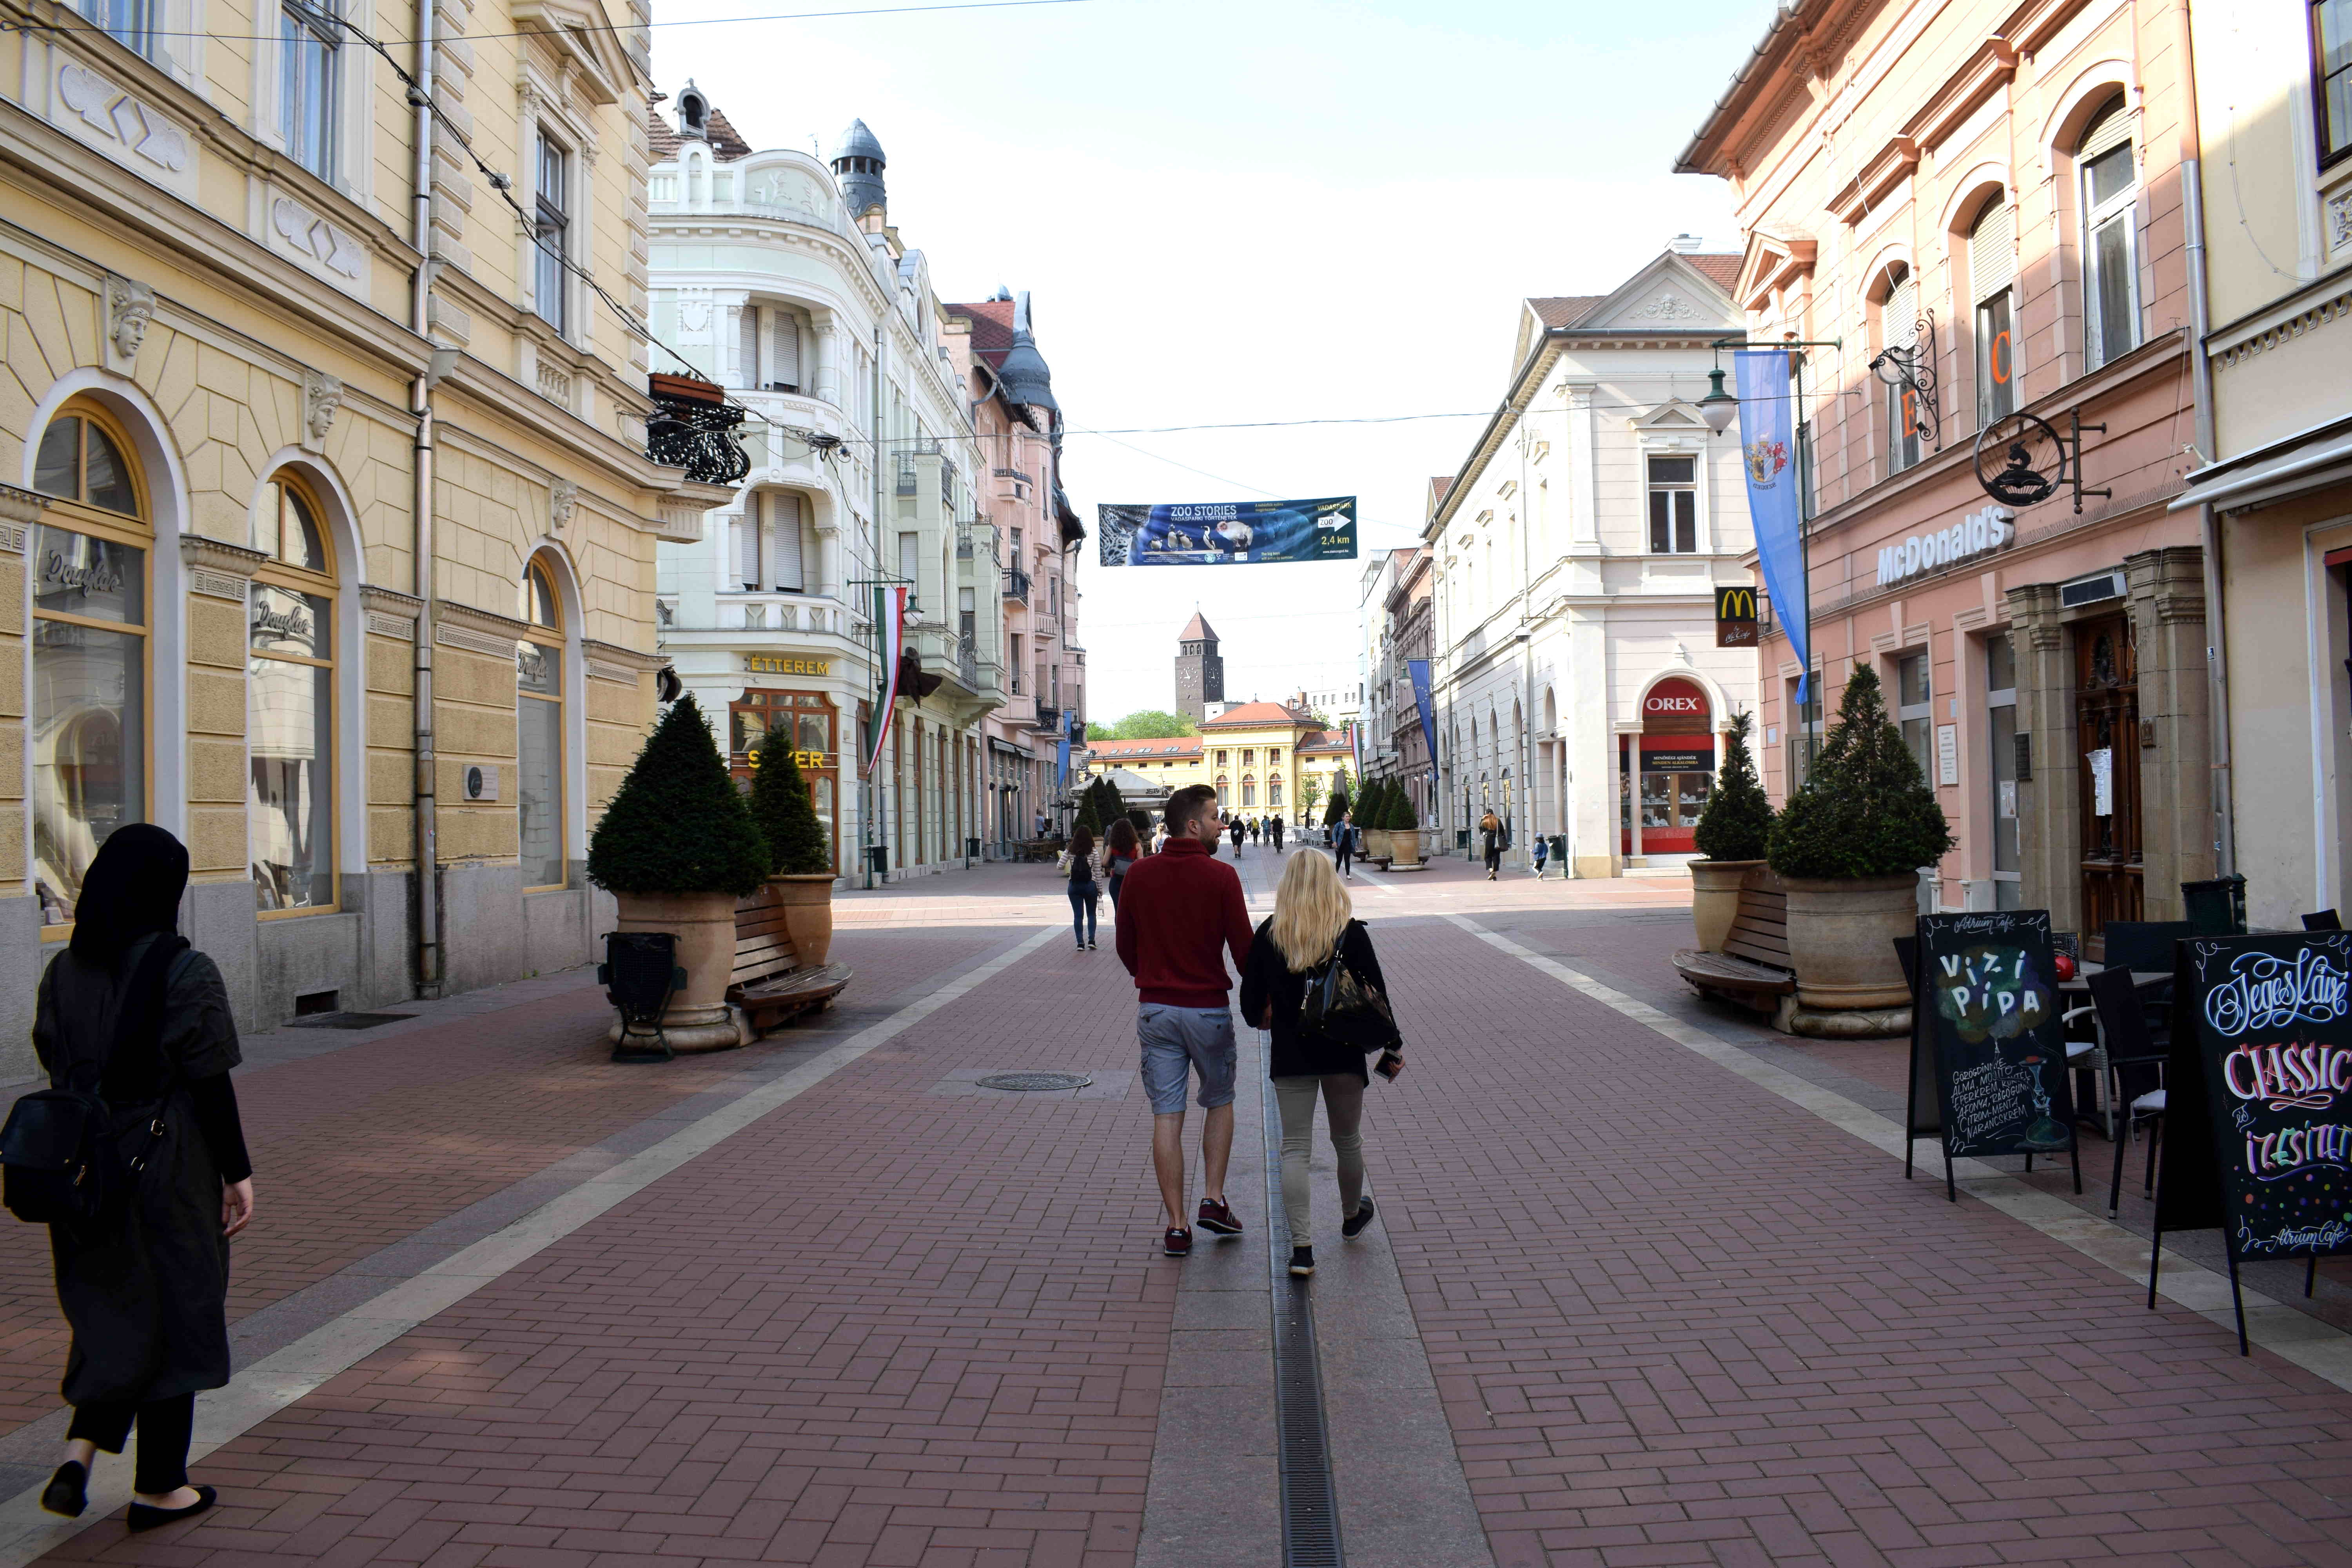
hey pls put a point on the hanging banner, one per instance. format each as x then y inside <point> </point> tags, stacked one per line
<point>1767,452</point>
<point>1255,532</point>
<point>1419,669</point>
<point>890,640</point>
<point>1062,760</point>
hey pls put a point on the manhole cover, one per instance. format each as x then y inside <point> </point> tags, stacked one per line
<point>345,1020</point>
<point>1032,1081</point>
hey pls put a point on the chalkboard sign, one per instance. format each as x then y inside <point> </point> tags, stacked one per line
<point>1987,1041</point>
<point>2260,1095</point>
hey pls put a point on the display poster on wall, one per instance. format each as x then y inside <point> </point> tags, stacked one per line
<point>1227,534</point>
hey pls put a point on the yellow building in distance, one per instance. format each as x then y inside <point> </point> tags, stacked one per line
<point>1264,759</point>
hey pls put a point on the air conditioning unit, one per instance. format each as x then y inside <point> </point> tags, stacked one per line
<point>2107,584</point>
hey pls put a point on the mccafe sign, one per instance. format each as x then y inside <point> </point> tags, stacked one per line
<point>1979,533</point>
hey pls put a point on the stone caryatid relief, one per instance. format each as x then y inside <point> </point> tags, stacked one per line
<point>129,307</point>
<point>563,503</point>
<point>111,120</point>
<point>321,395</point>
<point>317,242</point>
<point>1667,308</point>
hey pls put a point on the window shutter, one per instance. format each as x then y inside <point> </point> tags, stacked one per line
<point>784,552</point>
<point>1902,320</point>
<point>1993,251</point>
<point>2111,130</point>
<point>747,346</point>
<point>784,348</point>
<point>747,543</point>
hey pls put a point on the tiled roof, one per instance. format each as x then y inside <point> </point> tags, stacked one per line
<point>1564,309</point>
<point>1722,269</point>
<point>1320,741</point>
<point>660,140</point>
<point>1253,715</point>
<point>1438,485</point>
<point>1197,630</point>
<point>725,141</point>
<point>992,327</point>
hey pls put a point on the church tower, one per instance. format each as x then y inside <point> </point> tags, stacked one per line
<point>1200,670</point>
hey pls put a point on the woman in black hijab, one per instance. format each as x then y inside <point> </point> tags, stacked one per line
<point>130,1007</point>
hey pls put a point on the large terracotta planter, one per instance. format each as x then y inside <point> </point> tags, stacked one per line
<point>1376,842</point>
<point>698,1018</point>
<point>1842,940</point>
<point>807,900</point>
<point>1715,899</point>
<point>1404,846</point>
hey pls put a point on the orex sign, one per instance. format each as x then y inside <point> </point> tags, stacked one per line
<point>786,664</point>
<point>1979,533</point>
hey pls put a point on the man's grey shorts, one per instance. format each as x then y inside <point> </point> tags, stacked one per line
<point>1176,1040</point>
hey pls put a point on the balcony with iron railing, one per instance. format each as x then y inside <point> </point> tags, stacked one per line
<point>693,427</point>
<point>1016,583</point>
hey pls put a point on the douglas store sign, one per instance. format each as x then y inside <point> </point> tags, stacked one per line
<point>1979,533</point>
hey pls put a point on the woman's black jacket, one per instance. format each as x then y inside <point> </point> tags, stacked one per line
<point>1296,1053</point>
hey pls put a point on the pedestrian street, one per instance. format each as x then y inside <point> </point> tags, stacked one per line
<point>1646,1284</point>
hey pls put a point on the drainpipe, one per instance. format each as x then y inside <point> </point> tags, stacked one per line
<point>420,403</point>
<point>2209,522</point>
<point>873,682</point>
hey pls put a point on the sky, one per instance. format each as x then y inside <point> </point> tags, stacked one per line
<point>1232,214</point>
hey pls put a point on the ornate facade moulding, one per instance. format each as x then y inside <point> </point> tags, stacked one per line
<point>608,661</point>
<point>1868,190</point>
<point>477,631</point>
<point>391,614</point>
<point>19,510</point>
<point>218,569</point>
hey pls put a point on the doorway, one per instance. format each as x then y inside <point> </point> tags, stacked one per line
<point>2106,745</point>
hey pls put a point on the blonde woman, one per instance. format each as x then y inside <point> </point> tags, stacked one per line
<point>1312,915</point>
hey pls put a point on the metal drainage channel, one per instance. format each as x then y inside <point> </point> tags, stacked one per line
<point>1310,1498</point>
<point>1036,1082</point>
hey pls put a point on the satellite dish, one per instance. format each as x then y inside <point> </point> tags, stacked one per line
<point>2021,460</point>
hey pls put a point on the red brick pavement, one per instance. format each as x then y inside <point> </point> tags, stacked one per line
<point>358,1148</point>
<point>879,1326</point>
<point>1677,1320</point>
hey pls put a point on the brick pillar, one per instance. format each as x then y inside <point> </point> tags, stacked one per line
<point>2167,591</point>
<point>2049,836</point>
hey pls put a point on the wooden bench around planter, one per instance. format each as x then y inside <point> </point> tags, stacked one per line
<point>766,982</point>
<point>1753,969</point>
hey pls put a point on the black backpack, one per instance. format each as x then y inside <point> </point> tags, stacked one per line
<point>63,1166</point>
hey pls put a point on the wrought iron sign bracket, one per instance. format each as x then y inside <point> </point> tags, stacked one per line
<point>1913,367</point>
<point>2074,460</point>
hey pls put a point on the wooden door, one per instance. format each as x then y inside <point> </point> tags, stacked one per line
<point>2106,724</point>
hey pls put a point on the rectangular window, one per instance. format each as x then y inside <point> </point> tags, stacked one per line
<point>2001,698</point>
<point>289,739</point>
<point>1014,668</point>
<point>307,37</point>
<point>1673,506</point>
<point>1803,735</point>
<point>1916,699</point>
<point>747,544</point>
<point>1996,361</point>
<point>967,615</point>
<point>89,730</point>
<point>552,234</point>
<point>1899,331</point>
<point>2110,255</point>
<point>130,23</point>
<point>784,536</point>
<point>910,557</point>
<point>784,352</point>
<point>747,346</point>
<point>539,764</point>
<point>2331,59</point>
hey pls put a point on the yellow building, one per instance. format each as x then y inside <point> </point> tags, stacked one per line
<point>255,302</point>
<point>1264,760</point>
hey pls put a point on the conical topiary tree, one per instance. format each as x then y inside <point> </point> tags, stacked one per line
<point>678,824</point>
<point>784,813</point>
<point>1402,816</point>
<point>1866,811</point>
<point>1737,820</point>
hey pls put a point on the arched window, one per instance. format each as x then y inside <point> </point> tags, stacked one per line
<point>88,721</point>
<point>1992,267</point>
<point>538,732</point>
<point>2109,193</point>
<point>1898,328</point>
<point>289,703</point>
<point>1274,790</point>
<point>1223,788</point>
<point>1249,789</point>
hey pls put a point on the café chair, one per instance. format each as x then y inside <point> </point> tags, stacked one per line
<point>2323,920</point>
<point>2135,1073</point>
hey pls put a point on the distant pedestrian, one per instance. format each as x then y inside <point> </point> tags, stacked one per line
<point>130,1010</point>
<point>1257,829</point>
<point>1189,914</point>
<point>1274,827</point>
<point>1236,829</point>
<point>1078,864</point>
<point>1343,844</point>
<point>1122,847</point>
<point>1490,843</point>
<point>1311,918</point>
<point>1543,852</point>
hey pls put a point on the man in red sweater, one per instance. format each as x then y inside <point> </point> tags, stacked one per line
<point>1180,913</point>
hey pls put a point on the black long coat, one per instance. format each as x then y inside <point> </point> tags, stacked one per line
<point>148,1302</point>
<point>1294,1052</point>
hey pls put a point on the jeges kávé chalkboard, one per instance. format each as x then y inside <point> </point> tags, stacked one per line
<point>1988,1034</point>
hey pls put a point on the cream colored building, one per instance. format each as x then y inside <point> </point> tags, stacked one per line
<point>253,302</point>
<point>1264,759</point>
<point>2272,121</point>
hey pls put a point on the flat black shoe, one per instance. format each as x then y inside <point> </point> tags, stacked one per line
<point>1353,1226</point>
<point>145,1518</point>
<point>1302,1262</point>
<point>68,1491</point>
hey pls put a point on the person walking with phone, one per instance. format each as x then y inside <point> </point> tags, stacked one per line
<point>1085,894</point>
<point>1490,843</point>
<point>1189,914</point>
<point>1313,922</point>
<point>127,1008</point>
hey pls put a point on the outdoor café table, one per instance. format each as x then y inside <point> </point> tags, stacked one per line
<point>2077,992</point>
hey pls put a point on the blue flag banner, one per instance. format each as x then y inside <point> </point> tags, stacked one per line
<point>1419,669</point>
<point>1062,762</point>
<point>1228,533</point>
<point>1767,452</point>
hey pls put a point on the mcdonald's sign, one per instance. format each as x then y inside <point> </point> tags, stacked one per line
<point>1735,617</point>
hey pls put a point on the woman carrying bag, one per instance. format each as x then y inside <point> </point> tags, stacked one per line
<point>1490,837</point>
<point>1086,897</point>
<point>1122,847</point>
<point>1292,975</point>
<point>130,1007</point>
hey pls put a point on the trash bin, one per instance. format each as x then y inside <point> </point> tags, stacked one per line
<point>1560,852</point>
<point>1461,840</point>
<point>2216,908</point>
<point>971,850</point>
<point>878,859</point>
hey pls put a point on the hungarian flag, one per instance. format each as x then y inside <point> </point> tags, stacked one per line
<point>890,640</point>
